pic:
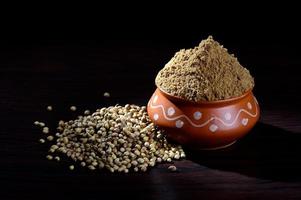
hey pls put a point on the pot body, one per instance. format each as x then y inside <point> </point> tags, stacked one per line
<point>204,125</point>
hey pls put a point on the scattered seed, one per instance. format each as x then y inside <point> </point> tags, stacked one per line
<point>49,157</point>
<point>53,148</point>
<point>45,130</point>
<point>65,140</point>
<point>41,140</point>
<point>61,123</point>
<point>73,108</point>
<point>71,167</point>
<point>87,112</point>
<point>50,138</point>
<point>172,168</point>
<point>41,124</point>
<point>106,94</point>
<point>115,138</point>
<point>36,123</point>
<point>57,158</point>
<point>49,108</point>
<point>177,156</point>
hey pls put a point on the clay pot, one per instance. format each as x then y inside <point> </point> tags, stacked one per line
<point>204,125</point>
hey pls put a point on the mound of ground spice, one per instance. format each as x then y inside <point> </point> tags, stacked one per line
<point>205,73</point>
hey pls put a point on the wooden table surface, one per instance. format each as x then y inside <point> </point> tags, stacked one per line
<point>266,164</point>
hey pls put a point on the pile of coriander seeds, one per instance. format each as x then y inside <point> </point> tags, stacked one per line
<point>117,138</point>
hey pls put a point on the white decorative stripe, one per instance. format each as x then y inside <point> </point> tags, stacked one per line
<point>208,121</point>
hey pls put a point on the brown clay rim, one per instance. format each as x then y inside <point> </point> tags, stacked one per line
<point>206,102</point>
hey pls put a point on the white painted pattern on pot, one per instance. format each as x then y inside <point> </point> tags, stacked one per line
<point>156,116</point>
<point>228,116</point>
<point>155,98</point>
<point>244,121</point>
<point>197,115</point>
<point>249,106</point>
<point>179,123</point>
<point>170,111</point>
<point>213,127</point>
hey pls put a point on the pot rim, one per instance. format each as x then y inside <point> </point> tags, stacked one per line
<point>230,100</point>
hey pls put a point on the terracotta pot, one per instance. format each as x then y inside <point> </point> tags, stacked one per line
<point>204,125</point>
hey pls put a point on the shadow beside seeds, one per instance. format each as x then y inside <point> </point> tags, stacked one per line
<point>266,152</point>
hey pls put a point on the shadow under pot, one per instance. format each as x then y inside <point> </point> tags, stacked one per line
<point>204,125</point>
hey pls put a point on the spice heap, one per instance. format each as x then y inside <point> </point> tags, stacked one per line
<point>119,138</point>
<point>205,73</point>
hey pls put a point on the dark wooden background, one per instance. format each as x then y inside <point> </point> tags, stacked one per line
<point>45,67</point>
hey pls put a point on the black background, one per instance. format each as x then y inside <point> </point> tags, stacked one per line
<point>73,60</point>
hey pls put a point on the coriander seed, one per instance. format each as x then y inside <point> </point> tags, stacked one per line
<point>115,138</point>
<point>46,130</point>
<point>106,94</point>
<point>73,108</point>
<point>172,168</point>
<point>50,138</point>
<point>49,157</point>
